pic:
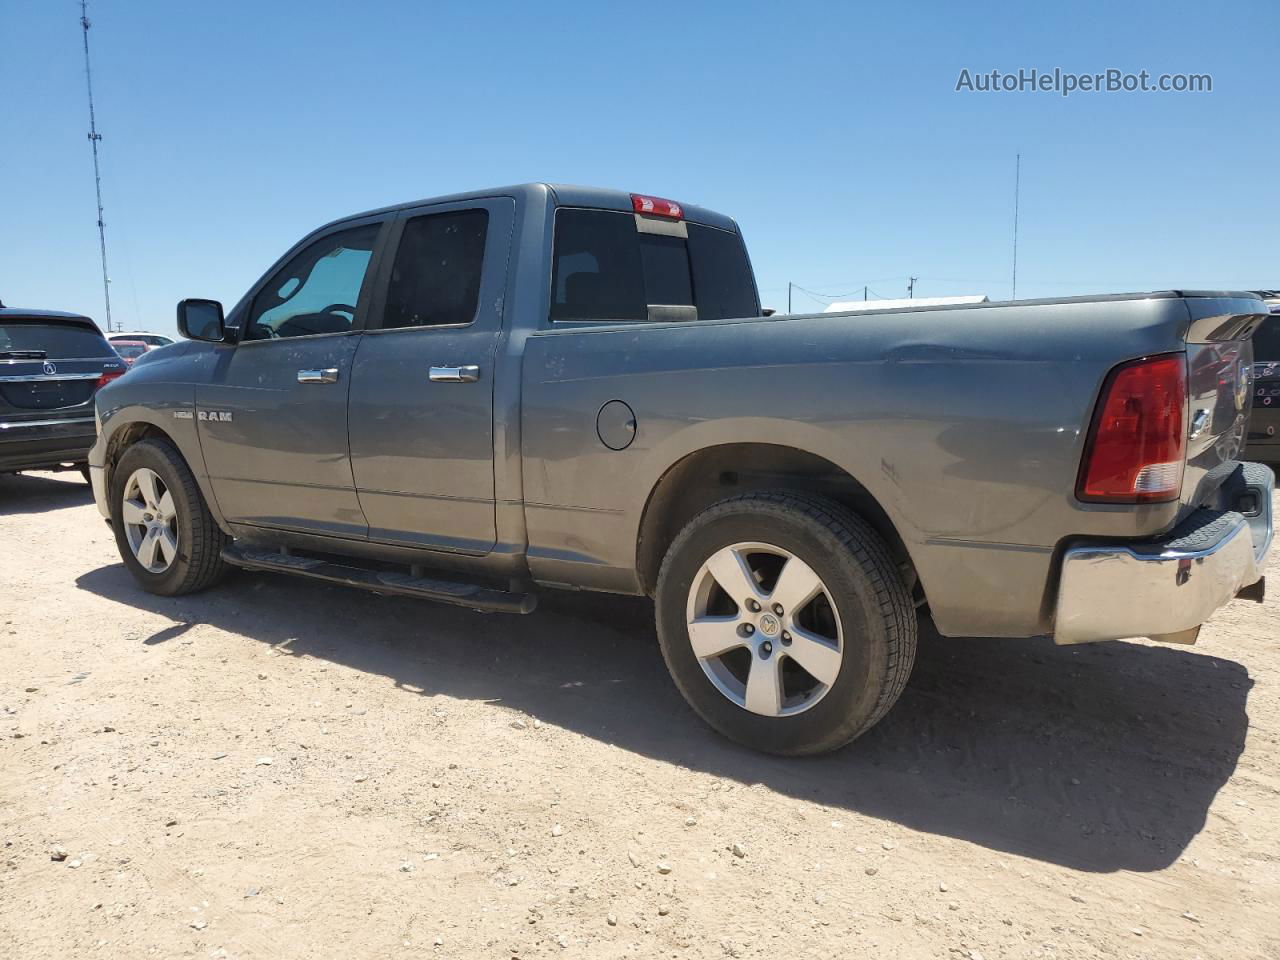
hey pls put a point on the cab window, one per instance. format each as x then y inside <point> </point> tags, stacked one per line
<point>435,280</point>
<point>605,269</point>
<point>597,273</point>
<point>317,291</point>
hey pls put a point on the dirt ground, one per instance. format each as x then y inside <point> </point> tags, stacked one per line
<point>279,769</point>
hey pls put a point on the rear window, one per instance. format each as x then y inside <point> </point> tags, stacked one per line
<point>596,274</point>
<point>59,341</point>
<point>721,274</point>
<point>605,269</point>
<point>130,351</point>
<point>1266,340</point>
<point>667,278</point>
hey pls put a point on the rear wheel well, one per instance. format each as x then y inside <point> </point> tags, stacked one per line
<point>710,475</point>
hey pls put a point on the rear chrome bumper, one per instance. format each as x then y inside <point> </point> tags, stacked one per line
<point>1167,588</point>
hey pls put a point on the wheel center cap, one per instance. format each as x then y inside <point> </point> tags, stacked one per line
<point>769,625</point>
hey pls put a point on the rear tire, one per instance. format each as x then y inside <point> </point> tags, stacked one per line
<point>169,540</point>
<point>829,668</point>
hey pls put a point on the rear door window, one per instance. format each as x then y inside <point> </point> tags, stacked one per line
<point>605,269</point>
<point>60,341</point>
<point>435,281</point>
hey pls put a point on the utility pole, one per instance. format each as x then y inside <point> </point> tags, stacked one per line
<point>94,137</point>
<point>1017,177</point>
<point>864,294</point>
<point>911,287</point>
<point>788,296</point>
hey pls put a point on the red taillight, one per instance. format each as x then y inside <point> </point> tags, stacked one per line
<point>107,377</point>
<point>656,206</point>
<point>1137,445</point>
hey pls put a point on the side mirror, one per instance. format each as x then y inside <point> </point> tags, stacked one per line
<point>202,320</point>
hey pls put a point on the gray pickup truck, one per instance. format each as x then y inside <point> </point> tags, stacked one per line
<point>468,398</point>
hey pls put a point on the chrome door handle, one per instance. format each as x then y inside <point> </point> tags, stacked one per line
<point>329,375</point>
<point>467,373</point>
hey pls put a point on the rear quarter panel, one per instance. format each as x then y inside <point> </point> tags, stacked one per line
<point>966,424</point>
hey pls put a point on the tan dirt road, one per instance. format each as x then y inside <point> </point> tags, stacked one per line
<point>277,769</point>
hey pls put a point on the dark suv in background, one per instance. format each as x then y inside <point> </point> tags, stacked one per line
<point>1264,424</point>
<point>51,365</point>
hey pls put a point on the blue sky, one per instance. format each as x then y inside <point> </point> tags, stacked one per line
<point>832,132</point>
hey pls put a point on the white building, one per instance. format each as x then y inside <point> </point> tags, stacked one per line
<point>852,306</point>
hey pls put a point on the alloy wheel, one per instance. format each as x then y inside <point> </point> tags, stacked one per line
<point>150,520</point>
<point>765,629</point>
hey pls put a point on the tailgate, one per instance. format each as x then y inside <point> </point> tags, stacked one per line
<point>1264,422</point>
<point>47,386</point>
<point>1219,374</point>
<point>49,370</point>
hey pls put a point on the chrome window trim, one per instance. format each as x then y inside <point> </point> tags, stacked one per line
<point>302,336</point>
<point>421,326</point>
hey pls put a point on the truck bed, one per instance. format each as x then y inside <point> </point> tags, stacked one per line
<point>965,424</point>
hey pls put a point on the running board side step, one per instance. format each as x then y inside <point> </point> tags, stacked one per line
<point>471,595</point>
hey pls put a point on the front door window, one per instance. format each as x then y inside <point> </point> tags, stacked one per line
<point>317,291</point>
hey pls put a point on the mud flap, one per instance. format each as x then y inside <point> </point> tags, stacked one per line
<point>1188,636</point>
<point>1257,592</point>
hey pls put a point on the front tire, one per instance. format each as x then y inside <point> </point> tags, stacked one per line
<point>164,530</point>
<point>784,622</point>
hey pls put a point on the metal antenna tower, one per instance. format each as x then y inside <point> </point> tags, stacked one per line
<point>1017,182</point>
<point>94,137</point>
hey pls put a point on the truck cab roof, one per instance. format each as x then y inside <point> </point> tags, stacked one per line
<point>560,195</point>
